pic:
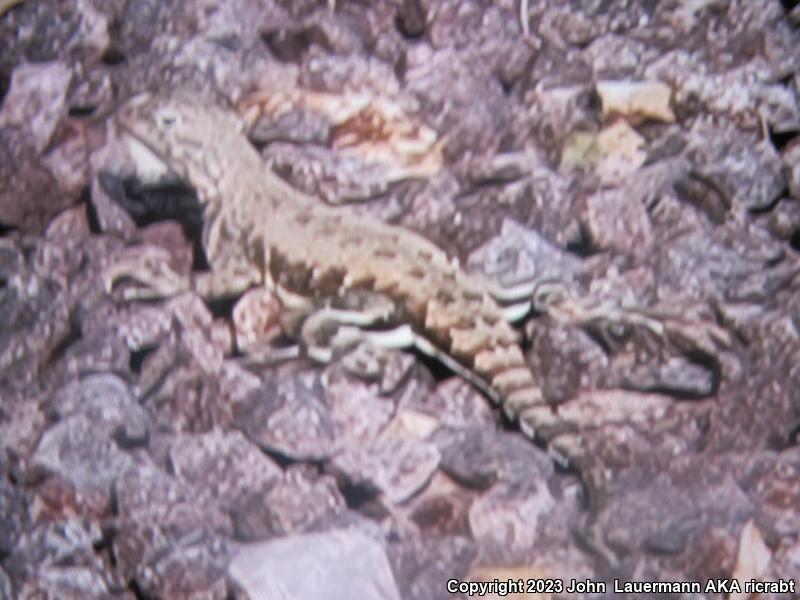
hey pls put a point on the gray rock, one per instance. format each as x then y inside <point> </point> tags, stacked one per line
<point>424,566</point>
<point>292,419</point>
<point>776,487</point>
<point>36,99</point>
<point>159,515</point>
<point>194,567</point>
<point>5,586</point>
<point>678,377</point>
<point>663,516</point>
<point>720,265</point>
<point>80,452</point>
<point>226,464</point>
<point>54,545</point>
<point>36,314</point>
<point>791,158</point>
<point>784,221</point>
<point>396,467</point>
<point>467,456</point>
<point>617,220</point>
<point>567,359</point>
<point>108,402</point>
<point>70,583</point>
<point>14,516</point>
<point>339,564</point>
<point>454,403</point>
<point>359,411</point>
<point>743,172</point>
<point>301,499</point>
<point>521,254</point>
<point>505,520</point>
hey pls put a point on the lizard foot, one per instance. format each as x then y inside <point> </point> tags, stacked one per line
<point>149,267</point>
<point>258,326</point>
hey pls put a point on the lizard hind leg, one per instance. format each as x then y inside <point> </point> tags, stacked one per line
<point>259,328</point>
<point>372,357</point>
<point>429,349</point>
<point>404,337</point>
<point>329,331</point>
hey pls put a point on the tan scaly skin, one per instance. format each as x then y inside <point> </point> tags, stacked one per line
<point>260,231</point>
<point>7,5</point>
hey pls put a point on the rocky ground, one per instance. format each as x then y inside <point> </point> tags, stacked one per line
<point>640,161</point>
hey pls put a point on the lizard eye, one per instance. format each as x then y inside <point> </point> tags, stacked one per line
<point>167,119</point>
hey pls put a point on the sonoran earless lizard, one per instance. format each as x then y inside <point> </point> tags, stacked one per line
<point>259,231</point>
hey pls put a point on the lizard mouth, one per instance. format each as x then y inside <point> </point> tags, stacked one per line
<point>133,111</point>
<point>146,121</point>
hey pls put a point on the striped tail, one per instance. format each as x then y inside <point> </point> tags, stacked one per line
<point>503,366</point>
<point>478,335</point>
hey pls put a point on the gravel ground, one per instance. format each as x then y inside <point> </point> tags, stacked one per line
<point>638,161</point>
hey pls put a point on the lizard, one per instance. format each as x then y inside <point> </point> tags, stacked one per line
<point>7,5</point>
<point>260,231</point>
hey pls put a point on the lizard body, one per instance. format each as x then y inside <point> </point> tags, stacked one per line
<point>260,231</point>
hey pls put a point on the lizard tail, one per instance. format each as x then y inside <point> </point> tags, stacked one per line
<point>490,346</point>
<point>520,397</point>
<point>522,400</point>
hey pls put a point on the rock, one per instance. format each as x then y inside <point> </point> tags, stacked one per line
<point>784,221</point>
<point>70,583</point>
<point>666,516</point>
<point>50,547</point>
<point>791,158</point>
<point>36,100</point>
<point>301,499</point>
<point>79,452</point>
<point>567,359</point>
<point>455,403</point>
<point>5,585</point>
<point>618,221</point>
<point>636,100</point>
<point>703,265</point>
<point>359,411</point>
<point>256,319</point>
<point>521,254</point>
<point>614,153</point>
<point>29,118</point>
<point>164,522</point>
<point>393,466</point>
<point>468,456</point>
<point>192,568</point>
<point>777,488</point>
<point>337,564</point>
<point>505,519</point>
<point>678,377</point>
<point>226,464</point>
<point>36,314</point>
<point>14,516</point>
<point>441,509</point>
<point>292,419</point>
<point>108,402</point>
<point>424,566</point>
<point>747,175</point>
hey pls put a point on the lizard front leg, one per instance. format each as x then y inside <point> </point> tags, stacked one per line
<point>150,268</point>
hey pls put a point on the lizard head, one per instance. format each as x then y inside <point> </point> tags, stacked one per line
<point>183,131</point>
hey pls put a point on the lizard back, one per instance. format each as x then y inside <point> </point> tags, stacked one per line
<point>320,251</point>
